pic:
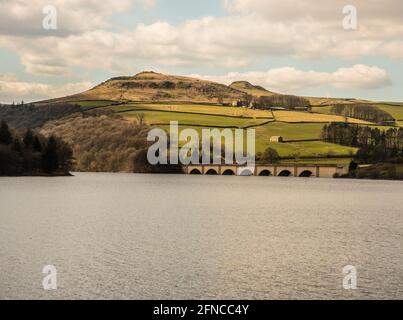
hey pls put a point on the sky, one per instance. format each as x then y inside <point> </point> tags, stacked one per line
<point>328,48</point>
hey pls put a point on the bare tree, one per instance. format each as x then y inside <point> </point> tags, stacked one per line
<point>140,117</point>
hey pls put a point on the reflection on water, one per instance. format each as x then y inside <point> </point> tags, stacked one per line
<point>189,237</point>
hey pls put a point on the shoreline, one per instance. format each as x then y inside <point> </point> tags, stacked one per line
<point>73,174</point>
<point>44,175</point>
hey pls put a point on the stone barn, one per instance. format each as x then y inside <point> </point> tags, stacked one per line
<point>276,139</point>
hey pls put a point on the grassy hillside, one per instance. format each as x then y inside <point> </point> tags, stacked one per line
<point>163,117</point>
<point>394,109</point>
<point>295,116</point>
<point>256,91</point>
<point>301,130</point>
<point>159,99</point>
<point>154,87</point>
<point>207,109</point>
<point>323,102</point>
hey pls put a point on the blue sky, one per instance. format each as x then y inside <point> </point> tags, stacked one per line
<point>296,47</point>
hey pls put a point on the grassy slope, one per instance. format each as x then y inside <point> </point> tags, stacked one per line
<point>296,116</point>
<point>250,89</point>
<point>201,109</point>
<point>198,108</point>
<point>395,110</point>
<point>156,117</point>
<point>322,102</point>
<point>322,110</point>
<point>304,149</point>
<point>199,116</point>
<point>154,87</point>
<point>258,91</point>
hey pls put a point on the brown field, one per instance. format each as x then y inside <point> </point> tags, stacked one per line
<point>296,116</point>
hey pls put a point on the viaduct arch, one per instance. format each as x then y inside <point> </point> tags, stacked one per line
<point>276,170</point>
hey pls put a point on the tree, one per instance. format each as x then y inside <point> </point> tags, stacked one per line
<point>36,144</point>
<point>17,145</point>
<point>5,134</point>
<point>65,155</point>
<point>365,112</point>
<point>140,117</point>
<point>270,155</point>
<point>9,161</point>
<point>50,160</point>
<point>282,101</point>
<point>353,166</point>
<point>140,162</point>
<point>26,157</point>
<point>363,154</point>
<point>247,100</point>
<point>28,138</point>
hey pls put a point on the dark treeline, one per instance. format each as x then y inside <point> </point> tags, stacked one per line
<point>281,101</point>
<point>35,115</point>
<point>270,155</point>
<point>364,112</point>
<point>384,171</point>
<point>29,153</point>
<point>375,145</point>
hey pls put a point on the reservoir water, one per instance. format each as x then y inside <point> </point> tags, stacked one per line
<point>122,236</point>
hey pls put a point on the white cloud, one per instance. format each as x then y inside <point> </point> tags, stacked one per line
<point>284,10</point>
<point>11,89</point>
<point>24,17</point>
<point>288,79</point>
<point>255,29</point>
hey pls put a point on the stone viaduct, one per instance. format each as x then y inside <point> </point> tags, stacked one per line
<point>277,170</point>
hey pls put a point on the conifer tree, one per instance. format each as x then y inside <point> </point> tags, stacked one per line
<point>28,138</point>
<point>50,160</point>
<point>5,134</point>
<point>17,145</point>
<point>37,146</point>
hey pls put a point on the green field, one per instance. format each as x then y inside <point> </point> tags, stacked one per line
<point>297,131</point>
<point>298,116</point>
<point>161,118</point>
<point>395,111</point>
<point>197,108</point>
<point>297,128</point>
<point>323,110</point>
<point>306,149</point>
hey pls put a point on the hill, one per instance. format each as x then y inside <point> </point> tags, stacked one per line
<point>157,87</point>
<point>155,100</point>
<point>253,90</point>
<point>152,87</point>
